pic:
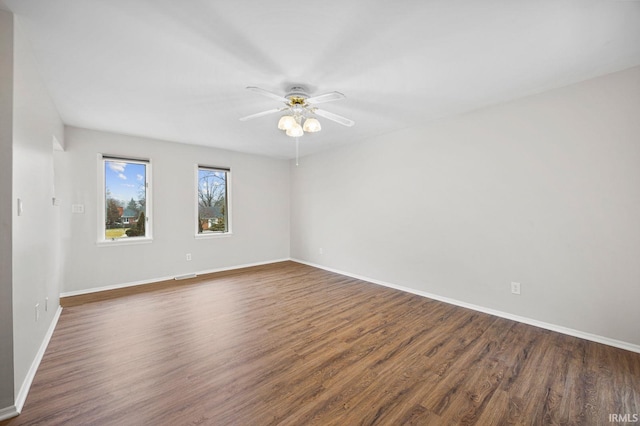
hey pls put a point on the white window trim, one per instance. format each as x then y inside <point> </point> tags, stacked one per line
<point>101,240</point>
<point>209,235</point>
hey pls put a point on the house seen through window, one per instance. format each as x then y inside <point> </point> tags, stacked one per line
<point>126,196</point>
<point>213,208</point>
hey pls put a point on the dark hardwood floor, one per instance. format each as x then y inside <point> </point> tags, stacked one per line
<point>290,344</point>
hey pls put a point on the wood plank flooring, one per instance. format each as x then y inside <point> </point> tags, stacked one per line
<point>294,345</point>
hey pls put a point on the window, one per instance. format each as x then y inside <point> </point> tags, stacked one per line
<point>213,200</point>
<point>126,194</point>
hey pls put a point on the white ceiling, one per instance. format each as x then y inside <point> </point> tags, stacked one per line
<point>177,70</point>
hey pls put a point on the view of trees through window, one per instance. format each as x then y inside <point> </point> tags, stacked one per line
<point>212,200</point>
<point>125,199</point>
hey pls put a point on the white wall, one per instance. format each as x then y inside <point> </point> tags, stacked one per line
<point>36,238</point>
<point>260,211</point>
<point>543,191</point>
<point>6,150</point>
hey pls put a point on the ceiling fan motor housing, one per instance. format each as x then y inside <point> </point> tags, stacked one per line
<point>297,94</point>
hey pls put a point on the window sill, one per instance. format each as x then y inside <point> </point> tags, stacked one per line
<point>212,235</point>
<point>124,242</point>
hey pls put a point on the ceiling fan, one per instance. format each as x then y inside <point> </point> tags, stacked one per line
<point>299,109</point>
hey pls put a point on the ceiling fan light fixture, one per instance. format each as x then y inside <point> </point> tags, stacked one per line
<point>286,122</point>
<point>300,111</point>
<point>295,131</point>
<point>311,125</point>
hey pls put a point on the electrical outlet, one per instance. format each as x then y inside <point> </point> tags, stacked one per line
<point>515,288</point>
<point>188,256</point>
<point>37,312</point>
<point>320,250</point>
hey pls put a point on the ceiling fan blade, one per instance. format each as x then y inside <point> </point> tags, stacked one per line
<point>260,114</point>
<point>327,97</point>
<point>334,117</point>
<point>268,94</point>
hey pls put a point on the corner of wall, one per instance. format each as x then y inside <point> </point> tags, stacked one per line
<point>6,213</point>
<point>36,125</point>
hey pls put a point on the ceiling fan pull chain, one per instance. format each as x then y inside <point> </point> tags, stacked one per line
<point>297,141</point>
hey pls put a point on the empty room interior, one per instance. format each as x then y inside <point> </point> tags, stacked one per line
<point>253,213</point>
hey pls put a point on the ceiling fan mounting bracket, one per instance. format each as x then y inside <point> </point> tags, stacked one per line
<point>297,94</point>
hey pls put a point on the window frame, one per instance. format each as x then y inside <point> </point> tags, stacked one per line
<point>102,194</point>
<point>228,198</point>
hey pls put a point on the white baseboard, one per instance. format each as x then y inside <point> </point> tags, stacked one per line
<point>167,278</point>
<point>553,327</point>
<point>26,384</point>
<point>548,326</point>
<point>7,413</point>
